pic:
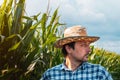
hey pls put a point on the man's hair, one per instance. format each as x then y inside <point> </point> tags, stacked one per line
<point>64,50</point>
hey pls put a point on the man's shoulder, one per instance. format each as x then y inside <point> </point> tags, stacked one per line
<point>101,70</point>
<point>51,72</point>
<point>96,67</point>
<point>91,65</point>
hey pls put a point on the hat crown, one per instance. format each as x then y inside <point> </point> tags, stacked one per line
<point>75,31</point>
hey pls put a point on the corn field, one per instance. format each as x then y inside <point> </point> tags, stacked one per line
<point>26,44</point>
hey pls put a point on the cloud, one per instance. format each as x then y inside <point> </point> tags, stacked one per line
<point>34,7</point>
<point>77,11</point>
<point>112,46</point>
<point>1,2</point>
<point>82,11</point>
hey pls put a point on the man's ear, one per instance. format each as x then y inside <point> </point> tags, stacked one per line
<point>68,49</point>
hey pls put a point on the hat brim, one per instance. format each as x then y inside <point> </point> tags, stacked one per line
<point>63,41</point>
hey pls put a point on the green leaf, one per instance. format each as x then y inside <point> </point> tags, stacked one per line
<point>14,47</point>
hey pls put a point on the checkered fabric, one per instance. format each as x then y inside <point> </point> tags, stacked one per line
<point>86,71</point>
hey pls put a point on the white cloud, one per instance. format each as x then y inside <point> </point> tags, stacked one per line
<point>34,7</point>
<point>83,9</point>
<point>71,10</point>
<point>1,2</point>
<point>112,46</point>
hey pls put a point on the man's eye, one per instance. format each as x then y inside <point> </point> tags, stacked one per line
<point>84,45</point>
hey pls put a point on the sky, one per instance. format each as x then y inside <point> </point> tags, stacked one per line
<point>100,17</point>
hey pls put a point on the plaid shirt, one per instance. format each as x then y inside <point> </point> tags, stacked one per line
<point>86,71</point>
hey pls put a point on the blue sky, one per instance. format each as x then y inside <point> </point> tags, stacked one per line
<point>100,17</point>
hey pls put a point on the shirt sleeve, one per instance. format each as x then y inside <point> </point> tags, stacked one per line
<point>43,77</point>
<point>109,77</point>
<point>106,75</point>
<point>46,75</point>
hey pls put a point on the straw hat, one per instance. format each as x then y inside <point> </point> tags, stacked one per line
<point>73,34</point>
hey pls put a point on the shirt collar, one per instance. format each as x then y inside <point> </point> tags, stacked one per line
<point>82,66</point>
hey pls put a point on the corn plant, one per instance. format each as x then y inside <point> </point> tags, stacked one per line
<point>25,42</point>
<point>15,41</point>
<point>47,33</point>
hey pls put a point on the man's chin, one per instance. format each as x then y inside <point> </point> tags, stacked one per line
<point>83,60</point>
<point>86,59</point>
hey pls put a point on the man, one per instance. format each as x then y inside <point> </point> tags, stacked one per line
<point>76,47</point>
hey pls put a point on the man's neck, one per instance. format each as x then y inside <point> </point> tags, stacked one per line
<point>72,64</point>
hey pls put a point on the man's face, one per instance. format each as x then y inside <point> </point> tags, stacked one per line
<point>80,51</point>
